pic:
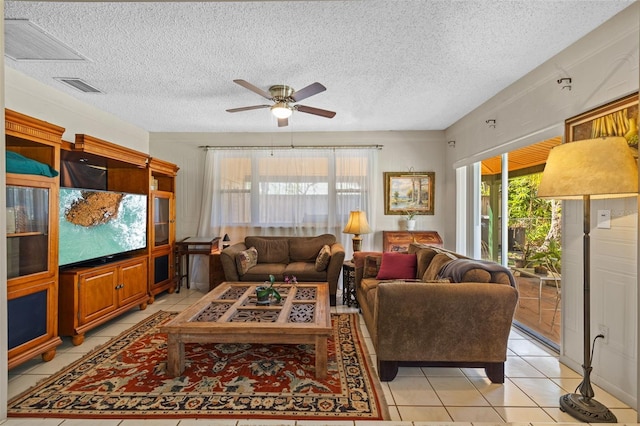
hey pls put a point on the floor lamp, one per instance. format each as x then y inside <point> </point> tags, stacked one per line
<point>594,168</point>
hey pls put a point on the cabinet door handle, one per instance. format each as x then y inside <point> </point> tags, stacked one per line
<point>119,286</point>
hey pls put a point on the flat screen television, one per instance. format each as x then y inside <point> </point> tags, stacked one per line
<point>99,225</point>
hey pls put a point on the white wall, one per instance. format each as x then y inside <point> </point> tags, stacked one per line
<point>28,96</point>
<point>422,151</point>
<point>603,67</point>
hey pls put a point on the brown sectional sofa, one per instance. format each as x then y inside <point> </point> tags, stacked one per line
<point>285,257</point>
<point>457,312</point>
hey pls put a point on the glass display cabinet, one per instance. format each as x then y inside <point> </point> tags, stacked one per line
<point>162,219</point>
<point>32,241</point>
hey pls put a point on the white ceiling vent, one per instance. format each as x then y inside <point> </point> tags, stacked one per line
<point>25,41</point>
<point>79,84</point>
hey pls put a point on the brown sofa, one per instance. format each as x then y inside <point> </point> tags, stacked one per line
<point>286,257</point>
<point>455,312</point>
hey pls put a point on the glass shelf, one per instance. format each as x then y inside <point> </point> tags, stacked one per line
<point>27,230</point>
<point>161,217</point>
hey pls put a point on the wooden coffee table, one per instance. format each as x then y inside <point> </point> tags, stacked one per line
<point>229,314</point>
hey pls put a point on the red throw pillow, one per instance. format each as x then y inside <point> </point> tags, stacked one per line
<point>397,266</point>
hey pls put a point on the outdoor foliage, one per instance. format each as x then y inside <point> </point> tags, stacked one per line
<point>538,217</point>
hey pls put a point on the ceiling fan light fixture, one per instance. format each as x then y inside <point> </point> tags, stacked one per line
<point>281,110</point>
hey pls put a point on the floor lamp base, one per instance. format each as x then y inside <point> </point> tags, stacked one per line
<point>590,411</point>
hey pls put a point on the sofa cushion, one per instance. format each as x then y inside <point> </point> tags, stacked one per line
<point>322,261</point>
<point>369,288</point>
<point>371,266</point>
<point>397,265</point>
<point>439,260</point>
<point>260,272</point>
<point>304,271</point>
<point>305,249</point>
<point>270,250</point>
<point>246,260</point>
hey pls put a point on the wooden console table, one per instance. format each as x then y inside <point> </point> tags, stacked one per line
<point>208,246</point>
<point>399,240</point>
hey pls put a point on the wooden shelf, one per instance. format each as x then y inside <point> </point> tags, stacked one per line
<point>24,234</point>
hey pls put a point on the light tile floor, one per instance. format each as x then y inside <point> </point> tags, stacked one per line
<point>417,397</point>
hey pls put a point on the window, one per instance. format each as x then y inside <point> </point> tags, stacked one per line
<point>308,190</point>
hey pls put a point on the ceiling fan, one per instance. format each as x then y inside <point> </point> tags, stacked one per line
<point>284,96</point>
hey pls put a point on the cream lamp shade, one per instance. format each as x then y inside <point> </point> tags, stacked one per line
<point>357,225</point>
<point>600,168</point>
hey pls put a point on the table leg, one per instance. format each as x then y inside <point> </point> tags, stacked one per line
<point>321,357</point>
<point>187,273</point>
<point>175,355</point>
<point>540,301</point>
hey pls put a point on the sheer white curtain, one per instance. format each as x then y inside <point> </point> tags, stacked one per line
<point>300,191</point>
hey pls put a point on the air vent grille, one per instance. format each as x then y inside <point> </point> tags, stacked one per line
<point>79,84</point>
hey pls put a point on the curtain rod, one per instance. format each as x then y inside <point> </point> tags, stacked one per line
<point>271,148</point>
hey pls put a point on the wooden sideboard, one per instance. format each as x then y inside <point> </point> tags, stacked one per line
<point>399,240</point>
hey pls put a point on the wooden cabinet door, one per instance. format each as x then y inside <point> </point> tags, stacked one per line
<point>132,283</point>
<point>96,294</point>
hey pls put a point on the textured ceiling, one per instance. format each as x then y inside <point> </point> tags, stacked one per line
<point>387,65</point>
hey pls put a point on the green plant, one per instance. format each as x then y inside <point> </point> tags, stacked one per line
<point>410,214</point>
<point>264,293</point>
<point>549,257</point>
<point>526,251</point>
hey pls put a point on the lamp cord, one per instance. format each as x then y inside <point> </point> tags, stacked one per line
<point>593,345</point>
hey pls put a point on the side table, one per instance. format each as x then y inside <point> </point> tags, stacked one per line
<point>349,284</point>
<point>207,246</point>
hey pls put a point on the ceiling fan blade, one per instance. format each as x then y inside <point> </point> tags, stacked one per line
<point>315,111</point>
<point>305,92</point>
<point>253,88</point>
<point>283,122</point>
<point>248,108</point>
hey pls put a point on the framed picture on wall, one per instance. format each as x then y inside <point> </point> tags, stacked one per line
<point>406,193</point>
<point>617,118</point>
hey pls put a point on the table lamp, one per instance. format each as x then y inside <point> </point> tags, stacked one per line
<point>593,168</point>
<point>357,225</point>
<point>226,241</point>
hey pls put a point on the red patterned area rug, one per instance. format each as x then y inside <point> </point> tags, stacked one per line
<point>125,378</point>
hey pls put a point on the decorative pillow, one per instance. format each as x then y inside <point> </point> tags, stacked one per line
<point>322,261</point>
<point>439,260</point>
<point>246,259</point>
<point>397,266</point>
<point>371,266</point>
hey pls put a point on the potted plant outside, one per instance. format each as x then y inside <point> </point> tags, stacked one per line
<point>548,258</point>
<point>526,250</point>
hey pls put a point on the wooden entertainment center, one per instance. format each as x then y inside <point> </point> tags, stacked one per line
<point>46,301</point>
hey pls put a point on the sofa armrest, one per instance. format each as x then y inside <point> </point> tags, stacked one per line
<point>228,260</point>
<point>443,322</point>
<point>358,260</point>
<point>335,266</point>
